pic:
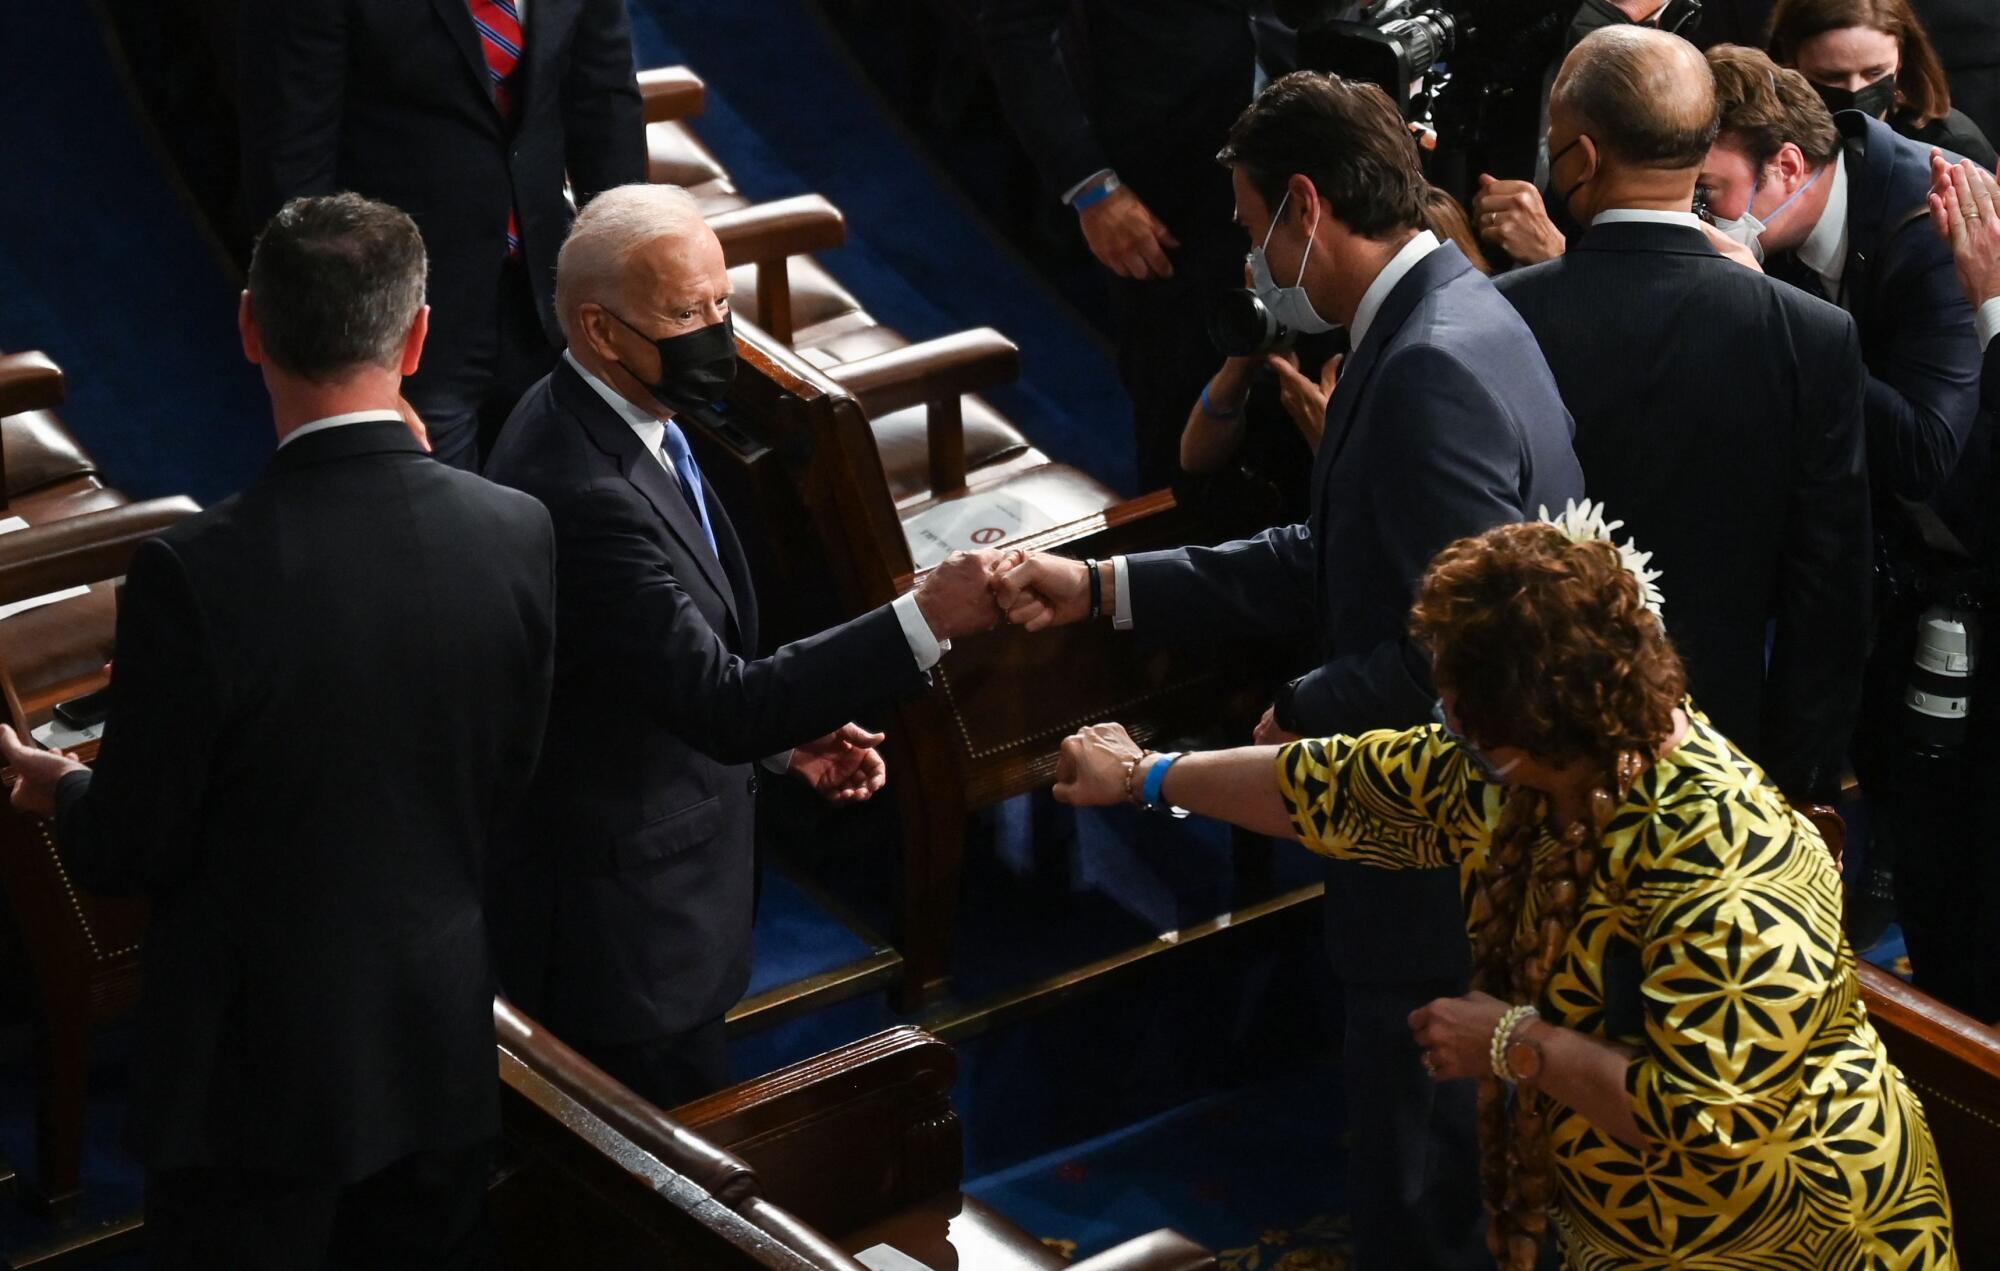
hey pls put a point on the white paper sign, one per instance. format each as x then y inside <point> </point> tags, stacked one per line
<point>8,526</point>
<point>967,525</point>
<point>884,1258</point>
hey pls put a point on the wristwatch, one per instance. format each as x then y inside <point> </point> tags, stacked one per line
<point>1524,1054</point>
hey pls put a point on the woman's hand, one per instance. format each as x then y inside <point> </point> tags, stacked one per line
<point>1456,1034</point>
<point>1090,773</point>
<point>1305,399</point>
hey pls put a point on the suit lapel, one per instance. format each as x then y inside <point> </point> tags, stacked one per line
<point>616,438</point>
<point>1430,273</point>
<point>457,18</point>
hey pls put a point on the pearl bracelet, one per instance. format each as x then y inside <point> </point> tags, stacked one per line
<point>1503,1034</point>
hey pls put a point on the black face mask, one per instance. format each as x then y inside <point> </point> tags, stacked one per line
<point>1874,100</point>
<point>696,367</point>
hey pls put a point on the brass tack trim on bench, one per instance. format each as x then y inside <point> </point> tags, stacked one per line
<point>1054,731</point>
<point>75,900</point>
<point>1932,1092</point>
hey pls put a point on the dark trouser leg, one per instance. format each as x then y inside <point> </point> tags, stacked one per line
<point>1164,353</point>
<point>668,1071</point>
<point>1413,1153</point>
<point>464,402</point>
<point>201,1219</point>
<point>426,1212</point>
<point>1948,875</point>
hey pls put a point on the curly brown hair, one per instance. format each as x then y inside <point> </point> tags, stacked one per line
<point>1546,644</point>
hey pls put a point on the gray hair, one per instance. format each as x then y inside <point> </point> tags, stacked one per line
<point>335,284</point>
<point>609,230</point>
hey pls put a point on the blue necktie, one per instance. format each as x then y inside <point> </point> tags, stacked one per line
<point>688,474</point>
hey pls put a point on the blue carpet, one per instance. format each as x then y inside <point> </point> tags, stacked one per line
<point>789,113</point>
<point>1255,1174</point>
<point>102,268</point>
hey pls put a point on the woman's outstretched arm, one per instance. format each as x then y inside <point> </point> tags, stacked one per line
<point>1238,786</point>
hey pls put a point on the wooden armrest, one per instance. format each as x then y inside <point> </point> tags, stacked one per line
<point>947,367</point>
<point>768,235</point>
<point>783,227</point>
<point>79,550</point>
<point>721,1174</point>
<point>670,92</point>
<point>937,373</point>
<point>1826,819</point>
<point>784,1227</point>
<point>29,381</point>
<point>846,1138</point>
<point>1162,1250</point>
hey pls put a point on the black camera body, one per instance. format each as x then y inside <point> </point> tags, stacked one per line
<point>1241,325</point>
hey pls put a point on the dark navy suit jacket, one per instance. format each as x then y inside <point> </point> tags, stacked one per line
<point>1917,335</point>
<point>1719,415</point>
<point>622,904</point>
<point>324,705</point>
<point>390,98</point>
<point>1446,422</point>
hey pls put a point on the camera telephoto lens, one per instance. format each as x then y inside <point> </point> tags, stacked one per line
<point>1240,326</point>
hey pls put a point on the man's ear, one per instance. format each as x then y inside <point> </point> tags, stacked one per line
<point>246,327</point>
<point>413,343</point>
<point>592,329</point>
<point>1591,155</point>
<point>1792,165</point>
<point>1303,201</point>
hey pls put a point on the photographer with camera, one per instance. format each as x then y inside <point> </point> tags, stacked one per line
<point>1123,125</point>
<point>1445,422</point>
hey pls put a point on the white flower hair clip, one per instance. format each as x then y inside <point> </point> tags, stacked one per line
<point>1583,522</point>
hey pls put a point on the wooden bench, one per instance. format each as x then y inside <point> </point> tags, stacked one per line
<point>805,1168</point>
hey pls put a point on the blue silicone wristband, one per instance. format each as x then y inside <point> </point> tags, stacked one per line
<point>1092,197</point>
<point>1208,407</point>
<point>1156,781</point>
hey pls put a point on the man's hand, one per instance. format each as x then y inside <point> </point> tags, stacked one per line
<point>1126,237</point>
<point>1732,249</point>
<point>34,772</point>
<point>1040,591</point>
<point>1304,399</point>
<point>956,598</point>
<point>1456,1034</point>
<point>843,766</point>
<point>1267,732</point>
<point>1965,211</point>
<point>1510,215</point>
<point>414,422</point>
<point>1090,771</point>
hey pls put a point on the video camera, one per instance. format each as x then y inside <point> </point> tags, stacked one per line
<point>1450,65</point>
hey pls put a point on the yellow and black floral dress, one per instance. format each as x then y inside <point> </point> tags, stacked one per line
<point>1710,940</point>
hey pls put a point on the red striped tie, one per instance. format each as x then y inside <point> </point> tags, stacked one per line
<point>500,36</point>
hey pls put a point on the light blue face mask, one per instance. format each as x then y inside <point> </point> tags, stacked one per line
<point>1495,773</point>
<point>1289,305</point>
<point>1748,230</point>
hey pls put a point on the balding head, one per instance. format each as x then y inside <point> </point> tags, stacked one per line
<point>639,266</point>
<point>621,238</point>
<point>1647,98</point>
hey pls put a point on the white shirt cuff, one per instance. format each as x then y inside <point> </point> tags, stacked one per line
<point>780,763</point>
<point>1069,195</point>
<point>1987,319</point>
<point>1121,595</point>
<point>925,647</point>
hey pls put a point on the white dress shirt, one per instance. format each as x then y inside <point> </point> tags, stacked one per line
<point>925,647</point>
<point>1422,244</point>
<point>1825,249</point>
<point>336,421</point>
<point>1987,319</point>
<point>1647,216</point>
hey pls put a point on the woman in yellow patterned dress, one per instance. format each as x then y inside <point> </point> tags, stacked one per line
<point>1675,1059</point>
